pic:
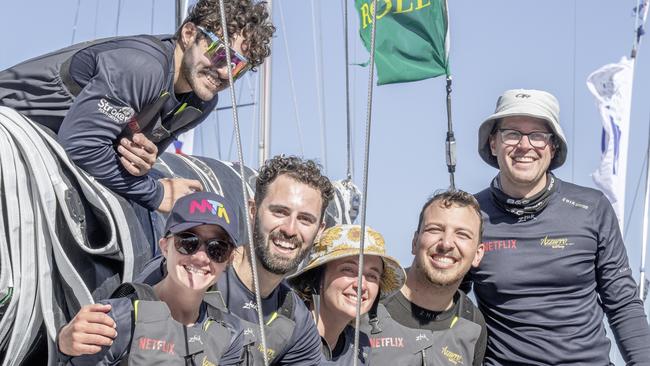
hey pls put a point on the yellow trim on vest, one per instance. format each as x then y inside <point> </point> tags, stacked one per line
<point>135,310</point>
<point>179,110</point>
<point>207,324</point>
<point>273,317</point>
<point>453,322</point>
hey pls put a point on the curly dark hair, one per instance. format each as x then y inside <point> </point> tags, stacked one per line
<point>246,16</point>
<point>304,171</point>
<point>457,198</point>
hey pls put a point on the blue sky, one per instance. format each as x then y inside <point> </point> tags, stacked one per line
<point>495,45</point>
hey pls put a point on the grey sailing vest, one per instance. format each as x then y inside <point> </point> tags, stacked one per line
<point>277,330</point>
<point>394,344</point>
<point>160,340</point>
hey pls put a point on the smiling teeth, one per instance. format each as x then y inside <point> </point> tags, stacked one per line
<point>284,245</point>
<point>444,259</point>
<point>523,159</point>
<point>195,270</point>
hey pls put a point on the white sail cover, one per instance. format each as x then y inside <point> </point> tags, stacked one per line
<point>612,87</point>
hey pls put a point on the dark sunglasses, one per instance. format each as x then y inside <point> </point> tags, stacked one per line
<point>216,52</point>
<point>188,243</point>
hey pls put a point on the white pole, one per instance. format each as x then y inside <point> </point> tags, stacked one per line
<point>264,146</point>
<point>644,247</point>
<point>181,12</point>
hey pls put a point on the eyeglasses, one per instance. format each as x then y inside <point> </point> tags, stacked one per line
<point>216,52</point>
<point>188,243</point>
<point>536,139</point>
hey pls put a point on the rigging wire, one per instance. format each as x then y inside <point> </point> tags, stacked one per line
<point>636,194</point>
<point>318,57</point>
<point>254,116</point>
<point>364,199</point>
<point>291,80</point>
<point>573,112</point>
<point>76,21</point>
<point>117,19</point>
<point>242,173</point>
<point>347,92</point>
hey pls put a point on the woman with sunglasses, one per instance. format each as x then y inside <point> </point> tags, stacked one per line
<point>328,284</point>
<point>176,321</point>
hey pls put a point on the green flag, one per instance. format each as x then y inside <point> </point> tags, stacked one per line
<point>411,38</point>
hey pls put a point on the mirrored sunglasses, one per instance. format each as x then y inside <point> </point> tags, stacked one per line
<point>216,52</point>
<point>188,243</point>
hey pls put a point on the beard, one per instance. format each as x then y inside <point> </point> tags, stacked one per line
<point>276,264</point>
<point>436,277</point>
<point>192,75</point>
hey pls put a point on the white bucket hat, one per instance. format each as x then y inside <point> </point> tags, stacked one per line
<point>524,102</point>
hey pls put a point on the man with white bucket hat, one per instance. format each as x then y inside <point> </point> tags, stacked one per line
<point>555,261</point>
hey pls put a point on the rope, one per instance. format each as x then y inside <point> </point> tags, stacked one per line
<point>347,90</point>
<point>318,57</point>
<point>364,198</point>
<point>240,154</point>
<point>291,83</point>
<point>76,21</point>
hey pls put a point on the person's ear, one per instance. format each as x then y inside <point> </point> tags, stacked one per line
<point>188,34</point>
<point>164,243</point>
<point>480,250</point>
<point>493,144</point>
<point>252,210</point>
<point>414,242</point>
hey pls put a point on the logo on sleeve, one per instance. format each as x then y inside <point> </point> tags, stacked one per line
<point>120,115</point>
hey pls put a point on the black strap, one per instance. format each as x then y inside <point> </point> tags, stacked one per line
<point>466,308</point>
<point>287,306</point>
<point>372,317</point>
<point>135,291</point>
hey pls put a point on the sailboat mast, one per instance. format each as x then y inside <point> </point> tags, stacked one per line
<point>181,12</point>
<point>264,145</point>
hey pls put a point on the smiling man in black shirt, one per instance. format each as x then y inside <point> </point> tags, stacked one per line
<point>430,321</point>
<point>555,261</point>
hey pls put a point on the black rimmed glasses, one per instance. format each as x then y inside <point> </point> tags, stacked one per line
<point>536,139</point>
<point>216,52</point>
<point>188,243</point>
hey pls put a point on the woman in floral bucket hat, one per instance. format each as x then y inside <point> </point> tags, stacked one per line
<point>327,281</point>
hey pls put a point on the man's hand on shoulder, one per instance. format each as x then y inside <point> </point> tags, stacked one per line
<point>137,155</point>
<point>88,331</point>
<point>175,188</point>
